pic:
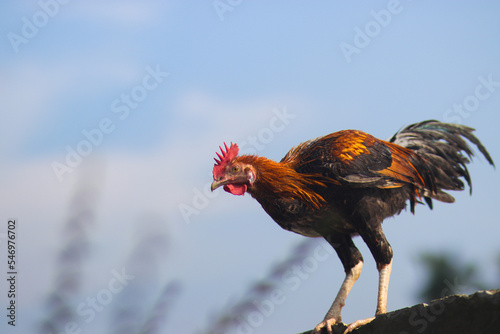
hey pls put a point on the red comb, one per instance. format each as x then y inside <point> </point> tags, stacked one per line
<point>226,157</point>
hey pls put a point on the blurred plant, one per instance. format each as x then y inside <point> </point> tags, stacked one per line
<point>132,312</point>
<point>158,314</point>
<point>257,301</point>
<point>447,275</point>
<point>80,218</point>
<point>135,309</point>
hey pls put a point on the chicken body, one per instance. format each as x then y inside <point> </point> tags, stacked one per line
<point>346,183</point>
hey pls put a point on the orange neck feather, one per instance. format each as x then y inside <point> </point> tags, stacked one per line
<point>280,180</point>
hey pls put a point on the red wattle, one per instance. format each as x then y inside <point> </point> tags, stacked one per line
<point>236,189</point>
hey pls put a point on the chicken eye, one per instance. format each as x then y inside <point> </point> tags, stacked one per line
<point>235,169</point>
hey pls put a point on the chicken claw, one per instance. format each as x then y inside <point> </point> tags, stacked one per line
<point>328,324</point>
<point>358,324</point>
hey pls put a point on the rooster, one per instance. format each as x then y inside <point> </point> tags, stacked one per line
<point>346,183</point>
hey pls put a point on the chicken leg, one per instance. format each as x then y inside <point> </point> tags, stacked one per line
<point>352,260</point>
<point>384,272</point>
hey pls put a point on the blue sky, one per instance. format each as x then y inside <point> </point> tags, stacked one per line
<point>221,76</point>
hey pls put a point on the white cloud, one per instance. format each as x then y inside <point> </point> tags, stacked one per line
<point>36,93</point>
<point>28,92</point>
<point>230,119</point>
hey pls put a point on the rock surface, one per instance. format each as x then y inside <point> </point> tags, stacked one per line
<point>476,313</point>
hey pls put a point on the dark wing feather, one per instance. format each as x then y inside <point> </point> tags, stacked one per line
<point>357,159</point>
<point>429,157</point>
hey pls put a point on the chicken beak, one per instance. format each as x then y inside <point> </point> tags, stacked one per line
<point>240,179</point>
<point>216,184</point>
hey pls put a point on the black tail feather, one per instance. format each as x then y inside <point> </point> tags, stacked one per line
<point>442,147</point>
